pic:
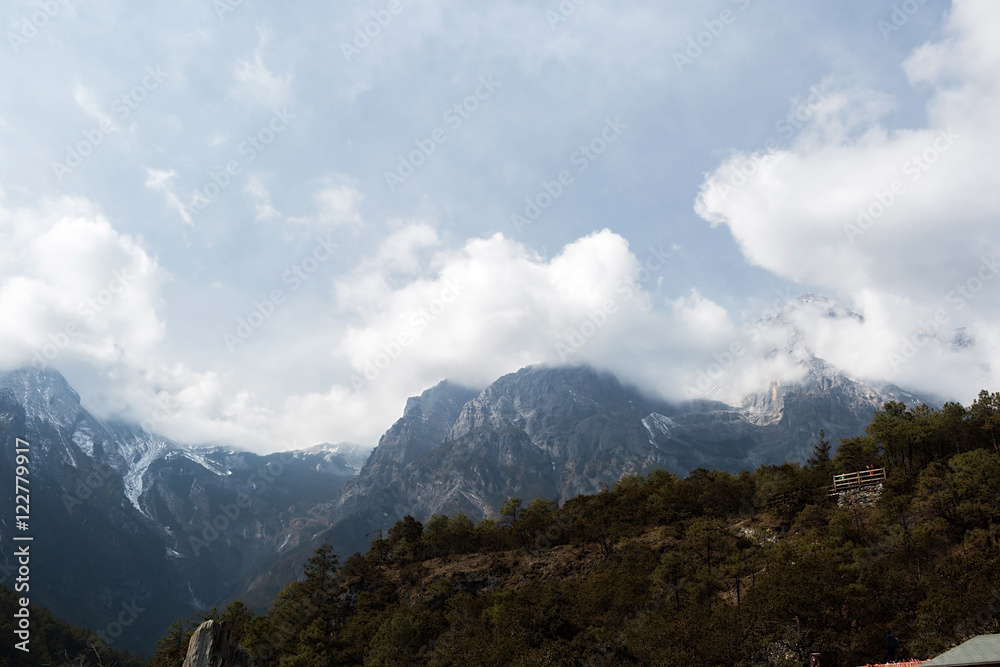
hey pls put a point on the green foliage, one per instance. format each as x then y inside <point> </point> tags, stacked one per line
<point>857,454</point>
<point>172,647</point>
<point>820,457</point>
<point>52,641</point>
<point>408,529</point>
<point>509,509</point>
<point>984,415</point>
<point>720,569</point>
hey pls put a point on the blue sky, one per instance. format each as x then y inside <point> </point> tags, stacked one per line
<point>243,165</point>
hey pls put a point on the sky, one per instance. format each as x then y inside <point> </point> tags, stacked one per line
<point>267,226</point>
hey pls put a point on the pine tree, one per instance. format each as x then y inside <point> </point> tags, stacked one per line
<point>171,649</point>
<point>821,452</point>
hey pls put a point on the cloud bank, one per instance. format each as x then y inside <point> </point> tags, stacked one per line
<point>899,224</point>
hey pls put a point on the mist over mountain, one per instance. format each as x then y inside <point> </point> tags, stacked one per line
<point>125,517</point>
<point>131,517</point>
<point>565,431</point>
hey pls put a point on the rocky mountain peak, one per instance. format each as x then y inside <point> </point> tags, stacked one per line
<point>340,458</point>
<point>44,394</point>
<point>538,399</point>
<point>426,418</point>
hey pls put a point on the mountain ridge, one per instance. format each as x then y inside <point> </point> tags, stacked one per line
<point>191,527</point>
<point>558,432</point>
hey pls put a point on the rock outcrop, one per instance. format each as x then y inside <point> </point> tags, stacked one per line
<point>212,645</point>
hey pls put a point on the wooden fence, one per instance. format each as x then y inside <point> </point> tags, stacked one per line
<point>857,480</point>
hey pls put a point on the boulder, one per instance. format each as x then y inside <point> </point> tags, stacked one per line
<point>211,645</point>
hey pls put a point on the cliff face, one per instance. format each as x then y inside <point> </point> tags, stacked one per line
<point>211,645</point>
<point>559,432</point>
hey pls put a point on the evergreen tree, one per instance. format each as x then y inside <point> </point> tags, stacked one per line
<point>821,452</point>
<point>509,510</point>
<point>172,647</point>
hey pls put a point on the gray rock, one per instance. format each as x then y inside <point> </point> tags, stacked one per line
<point>560,432</point>
<point>211,645</point>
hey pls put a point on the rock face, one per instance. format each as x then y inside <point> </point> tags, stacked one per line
<point>102,553</point>
<point>560,432</point>
<point>540,432</point>
<point>212,646</point>
<point>863,496</point>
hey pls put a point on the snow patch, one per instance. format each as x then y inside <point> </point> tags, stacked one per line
<point>85,441</point>
<point>656,422</point>
<point>207,463</point>
<point>139,454</point>
<point>68,458</point>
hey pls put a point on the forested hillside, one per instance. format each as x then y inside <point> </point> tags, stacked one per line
<point>726,569</point>
<point>52,641</point>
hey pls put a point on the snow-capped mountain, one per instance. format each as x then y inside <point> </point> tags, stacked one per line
<point>344,457</point>
<point>127,516</point>
<point>559,432</point>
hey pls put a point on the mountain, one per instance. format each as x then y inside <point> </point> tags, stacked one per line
<point>665,571</point>
<point>561,432</point>
<point>93,551</point>
<point>125,518</point>
<point>346,458</point>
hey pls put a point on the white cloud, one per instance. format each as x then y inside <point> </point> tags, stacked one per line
<point>87,101</point>
<point>493,306</point>
<point>73,288</point>
<point>257,83</point>
<point>558,81</point>
<point>162,181</point>
<point>261,198</point>
<point>895,222</point>
<point>337,202</point>
<point>418,313</point>
<point>400,250</point>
